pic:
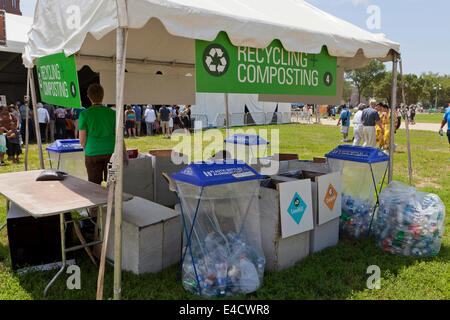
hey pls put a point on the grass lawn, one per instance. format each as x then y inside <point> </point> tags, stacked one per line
<point>335,273</point>
<point>429,118</point>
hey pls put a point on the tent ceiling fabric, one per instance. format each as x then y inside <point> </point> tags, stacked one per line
<point>255,23</point>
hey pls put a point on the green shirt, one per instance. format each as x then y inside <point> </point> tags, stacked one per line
<point>99,123</point>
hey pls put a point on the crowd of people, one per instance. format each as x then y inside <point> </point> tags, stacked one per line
<point>372,125</point>
<point>158,119</point>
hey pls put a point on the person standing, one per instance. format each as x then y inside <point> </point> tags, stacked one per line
<point>370,119</point>
<point>345,120</point>
<point>23,115</point>
<point>43,119</point>
<point>50,133</point>
<point>97,135</point>
<point>185,115</point>
<point>138,113</point>
<point>149,117</point>
<point>75,117</point>
<point>61,122</point>
<point>130,122</point>
<point>446,121</point>
<point>358,128</point>
<point>164,118</point>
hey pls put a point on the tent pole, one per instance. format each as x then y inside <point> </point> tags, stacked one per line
<point>121,34</point>
<point>227,114</point>
<point>27,110</point>
<point>392,124</point>
<point>408,141</point>
<point>36,120</point>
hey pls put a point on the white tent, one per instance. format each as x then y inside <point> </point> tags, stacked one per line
<point>213,105</point>
<point>158,35</point>
<point>17,28</point>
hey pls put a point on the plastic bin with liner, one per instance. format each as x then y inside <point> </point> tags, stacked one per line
<point>220,212</point>
<point>409,222</point>
<point>246,147</point>
<point>362,171</point>
<point>68,156</point>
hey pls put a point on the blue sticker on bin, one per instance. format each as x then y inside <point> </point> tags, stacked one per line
<point>218,172</point>
<point>297,208</point>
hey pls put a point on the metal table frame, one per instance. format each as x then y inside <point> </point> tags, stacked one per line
<point>63,225</point>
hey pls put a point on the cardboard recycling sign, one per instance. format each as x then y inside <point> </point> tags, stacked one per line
<point>224,68</point>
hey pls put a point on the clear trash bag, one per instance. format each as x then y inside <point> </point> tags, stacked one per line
<point>409,222</point>
<point>226,239</point>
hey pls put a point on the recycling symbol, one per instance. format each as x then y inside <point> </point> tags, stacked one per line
<point>73,89</point>
<point>216,60</point>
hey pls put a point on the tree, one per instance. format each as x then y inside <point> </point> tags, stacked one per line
<point>347,91</point>
<point>364,79</point>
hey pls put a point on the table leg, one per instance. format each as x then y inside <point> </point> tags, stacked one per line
<point>63,253</point>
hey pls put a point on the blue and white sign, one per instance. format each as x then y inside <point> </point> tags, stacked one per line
<point>295,207</point>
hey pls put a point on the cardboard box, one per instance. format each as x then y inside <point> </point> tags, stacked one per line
<point>285,237</point>
<point>151,237</point>
<point>162,162</point>
<point>326,194</point>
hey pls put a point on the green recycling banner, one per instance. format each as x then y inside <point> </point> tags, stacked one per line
<point>224,68</point>
<point>58,80</point>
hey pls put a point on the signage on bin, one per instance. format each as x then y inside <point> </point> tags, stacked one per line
<point>223,67</point>
<point>297,208</point>
<point>331,197</point>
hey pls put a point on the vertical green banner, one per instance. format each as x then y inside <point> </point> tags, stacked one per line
<point>58,80</point>
<point>222,67</point>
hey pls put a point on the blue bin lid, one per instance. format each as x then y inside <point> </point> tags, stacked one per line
<point>247,139</point>
<point>358,154</point>
<point>65,146</point>
<point>211,173</point>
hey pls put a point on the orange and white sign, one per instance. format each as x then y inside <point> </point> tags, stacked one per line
<point>331,197</point>
<point>329,188</point>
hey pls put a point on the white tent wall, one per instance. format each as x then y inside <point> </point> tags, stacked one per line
<point>213,104</point>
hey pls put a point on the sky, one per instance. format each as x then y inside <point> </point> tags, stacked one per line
<point>421,27</point>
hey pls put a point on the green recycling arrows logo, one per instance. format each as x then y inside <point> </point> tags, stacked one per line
<point>216,60</point>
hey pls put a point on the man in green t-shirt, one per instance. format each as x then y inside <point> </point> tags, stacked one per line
<point>97,135</point>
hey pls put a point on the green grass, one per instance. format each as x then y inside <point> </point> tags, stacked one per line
<point>335,273</point>
<point>429,118</point>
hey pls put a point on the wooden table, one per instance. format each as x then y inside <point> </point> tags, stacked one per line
<point>51,198</point>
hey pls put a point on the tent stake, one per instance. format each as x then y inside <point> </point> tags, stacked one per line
<point>36,120</point>
<point>408,141</point>
<point>392,124</point>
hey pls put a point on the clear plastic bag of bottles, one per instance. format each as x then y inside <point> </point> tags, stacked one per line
<point>356,217</point>
<point>226,239</point>
<point>409,222</point>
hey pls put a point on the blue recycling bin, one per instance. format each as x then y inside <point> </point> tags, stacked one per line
<point>246,147</point>
<point>362,171</point>
<point>219,202</point>
<point>68,156</point>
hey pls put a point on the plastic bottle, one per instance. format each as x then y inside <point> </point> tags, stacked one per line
<point>249,280</point>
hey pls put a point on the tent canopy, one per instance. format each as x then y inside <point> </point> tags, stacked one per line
<point>17,28</point>
<point>162,33</point>
<point>255,23</point>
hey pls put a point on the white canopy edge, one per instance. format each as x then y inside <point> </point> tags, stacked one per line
<point>17,28</point>
<point>255,23</point>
